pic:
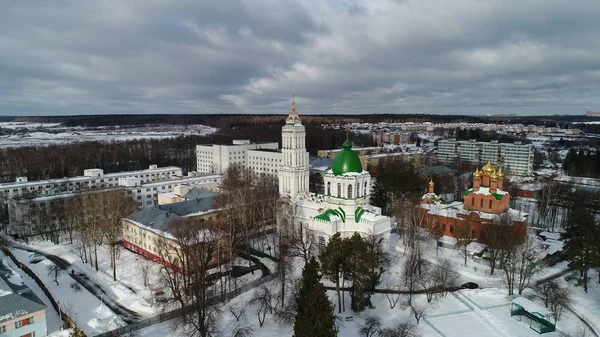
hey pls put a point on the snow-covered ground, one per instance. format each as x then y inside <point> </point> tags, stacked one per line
<point>36,134</point>
<point>90,314</point>
<point>466,313</point>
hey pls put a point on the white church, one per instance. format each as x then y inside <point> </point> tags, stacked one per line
<point>344,205</point>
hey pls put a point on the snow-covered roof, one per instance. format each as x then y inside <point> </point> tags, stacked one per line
<point>532,307</point>
<point>453,209</point>
<point>486,191</point>
<point>16,299</point>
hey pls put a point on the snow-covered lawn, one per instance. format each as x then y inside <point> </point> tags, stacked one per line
<point>90,314</point>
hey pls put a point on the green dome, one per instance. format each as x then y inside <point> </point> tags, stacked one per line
<point>346,161</point>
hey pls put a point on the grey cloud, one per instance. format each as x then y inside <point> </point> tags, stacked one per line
<point>339,56</point>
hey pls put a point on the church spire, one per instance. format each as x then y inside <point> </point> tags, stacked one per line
<point>293,103</point>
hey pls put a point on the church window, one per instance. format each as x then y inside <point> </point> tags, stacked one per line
<point>357,188</point>
<point>451,228</point>
<point>490,204</point>
<point>349,190</point>
<point>481,203</point>
<point>473,201</point>
<point>443,228</point>
<point>339,190</point>
<point>365,189</point>
<point>328,188</point>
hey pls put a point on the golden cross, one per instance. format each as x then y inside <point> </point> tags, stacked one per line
<point>347,131</point>
<point>293,103</point>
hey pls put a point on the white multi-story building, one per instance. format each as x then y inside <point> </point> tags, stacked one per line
<point>146,194</point>
<point>261,157</point>
<point>92,178</point>
<point>515,158</point>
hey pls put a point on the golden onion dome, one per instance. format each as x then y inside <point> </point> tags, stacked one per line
<point>500,173</point>
<point>494,175</point>
<point>477,173</point>
<point>488,168</point>
<point>431,182</point>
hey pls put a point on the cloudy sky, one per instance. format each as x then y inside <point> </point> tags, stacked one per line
<point>338,56</point>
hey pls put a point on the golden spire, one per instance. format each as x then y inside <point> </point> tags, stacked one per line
<point>477,173</point>
<point>431,182</point>
<point>488,168</point>
<point>293,103</point>
<point>500,173</point>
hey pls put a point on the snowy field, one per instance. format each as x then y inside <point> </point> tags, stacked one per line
<point>37,134</point>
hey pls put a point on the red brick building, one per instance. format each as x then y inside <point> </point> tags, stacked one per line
<point>482,204</point>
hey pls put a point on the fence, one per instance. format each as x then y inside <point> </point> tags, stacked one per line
<point>166,316</point>
<point>69,323</point>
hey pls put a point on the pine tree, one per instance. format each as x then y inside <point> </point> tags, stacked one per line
<point>334,261</point>
<point>360,272</point>
<point>580,242</point>
<point>314,317</point>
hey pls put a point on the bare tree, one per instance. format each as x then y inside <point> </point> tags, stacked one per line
<point>116,205</point>
<point>400,330</point>
<point>371,327</point>
<point>413,271</point>
<point>496,237</point>
<point>263,300</point>
<point>445,276</point>
<point>465,235</point>
<point>242,331</point>
<point>54,270</point>
<point>393,297</point>
<point>145,266</point>
<point>519,261</point>
<point>554,296</point>
<point>418,310</point>
<point>302,243</point>
<point>188,258</point>
<point>237,312</point>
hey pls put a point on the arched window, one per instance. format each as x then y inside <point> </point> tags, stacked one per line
<point>473,201</point>
<point>349,190</point>
<point>443,228</point>
<point>329,188</point>
<point>365,192</point>
<point>339,194</point>
<point>357,190</point>
<point>451,228</point>
<point>481,203</point>
<point>490,204</point>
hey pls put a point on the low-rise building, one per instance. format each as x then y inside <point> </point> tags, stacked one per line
<point>331,154</point>
<point>484,204</point>
<point>22,313</point>
<point>151,232</point>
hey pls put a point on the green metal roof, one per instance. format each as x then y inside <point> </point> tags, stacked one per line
<point>346,161</point>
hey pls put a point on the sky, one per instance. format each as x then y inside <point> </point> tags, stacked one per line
<point>338,56</point>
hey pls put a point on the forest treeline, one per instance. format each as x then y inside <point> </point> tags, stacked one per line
<point>227,121</point>
<point>583,163</point>
<point>58,161</point>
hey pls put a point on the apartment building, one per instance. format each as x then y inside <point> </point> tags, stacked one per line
<point>265,157</point>
<point>22,313</point>
<point>92,178</point>
<point>361,151</point>
<point>515,158</point>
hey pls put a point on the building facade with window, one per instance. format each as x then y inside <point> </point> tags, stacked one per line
<point>151,232</point>
<point>22,313</point>
<point>260,157</point>
<point>515,158</point>
<point>484,204</point>
<point>343,207</point>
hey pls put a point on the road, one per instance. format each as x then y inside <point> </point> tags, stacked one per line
<point>107,297</point>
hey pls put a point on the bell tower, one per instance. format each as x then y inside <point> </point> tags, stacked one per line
<point>293,173</point>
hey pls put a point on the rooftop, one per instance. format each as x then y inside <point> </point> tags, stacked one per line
<point>16,299</point>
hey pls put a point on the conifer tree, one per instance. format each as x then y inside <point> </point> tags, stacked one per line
<point>76,333</point>
<point>333,259</point>
<point>314,317</point>
<point>580,242</point>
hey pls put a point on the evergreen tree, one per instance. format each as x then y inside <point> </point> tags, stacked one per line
<point>334,262</point>
<point>359,272</point>
<point>580,242</point>
<point>314,317</point>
